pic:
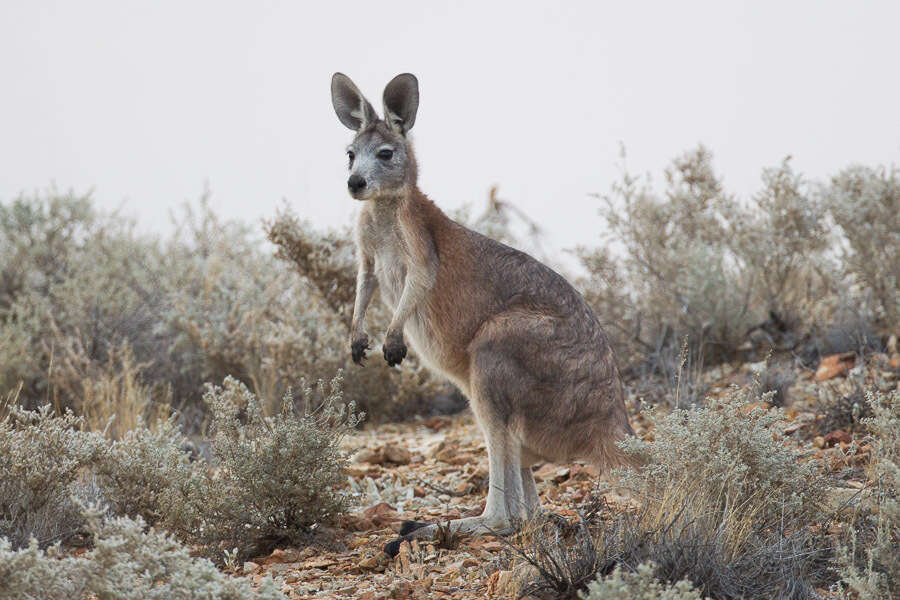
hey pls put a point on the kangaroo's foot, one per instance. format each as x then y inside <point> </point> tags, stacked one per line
<point>470,526</point>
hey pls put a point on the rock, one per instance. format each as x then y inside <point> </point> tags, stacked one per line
<point>368,563</point>
<point>280,555</point>
<point>367,455</point>
<point>838,436</point>
<point>498,584</point>
<point>418,491</point>
<point>894,362</point>
<point>381,514</point>
<point>462,489</point>
<point>819,441</point>
<point>251,567</point>
<point>397,455</point>
<point>751,406</point>
<point>372,495</point>
<point>400,590</point>
<point>835,365</point>
<point>445,453</point>
<point>794,427</point>
<point>551,472</point>
<point>436,423</point>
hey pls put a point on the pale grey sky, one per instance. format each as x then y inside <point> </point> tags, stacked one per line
<point>145,101</point>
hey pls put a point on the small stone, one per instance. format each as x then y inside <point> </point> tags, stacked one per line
<point>368,563</point>
<point>751,406</point>
<point>819,441</point>
<point>397,455</point>
<point>838,436</point>
<point>381,514</point>
<point>445,453</point>
<point>835,365</point>
<point>418,491</point>
<point>251,567</point>
<point>551,472</point>
<point>498,583</point>
<point>367,455</point>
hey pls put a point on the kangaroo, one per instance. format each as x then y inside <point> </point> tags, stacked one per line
<point>514,336</point>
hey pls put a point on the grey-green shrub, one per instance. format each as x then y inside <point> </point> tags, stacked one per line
<point>778,240</point>
<point>76,284</point>
<point>640,584</point>
<point>277,476</point>
<point>865,203</point>
<point>676,257</point>
<point>272,480</point>
<point>149,474</point>
<point>870,563</point>
<point>696,262</point>
<point>127,562</point>
<point>44,461</point>
<point>727,458</point>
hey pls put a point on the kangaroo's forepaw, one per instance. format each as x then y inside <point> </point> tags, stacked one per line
<point>358,349</point>
<point>392,549</point>
<point>406,528</point>
<point>394,350</point>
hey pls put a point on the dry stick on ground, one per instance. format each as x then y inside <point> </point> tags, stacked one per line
<point>440,490</point>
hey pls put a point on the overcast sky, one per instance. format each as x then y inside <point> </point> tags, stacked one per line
<point>144,102</point>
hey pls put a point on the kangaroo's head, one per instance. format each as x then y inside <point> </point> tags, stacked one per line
<point>381,159</point>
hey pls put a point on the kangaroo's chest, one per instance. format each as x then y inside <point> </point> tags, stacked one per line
<point>390,266</point>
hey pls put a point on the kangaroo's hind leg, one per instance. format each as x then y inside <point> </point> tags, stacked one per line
<point>529,489</point>
<point>511,493</point>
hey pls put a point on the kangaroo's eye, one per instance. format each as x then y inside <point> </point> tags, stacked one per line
<point>385,154</point>
<point>350,156</point>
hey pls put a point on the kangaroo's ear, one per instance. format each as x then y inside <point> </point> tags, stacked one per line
<point>401,101</point>
<point>351,107</point>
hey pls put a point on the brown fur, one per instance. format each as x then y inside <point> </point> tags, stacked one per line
<point>511,333</point>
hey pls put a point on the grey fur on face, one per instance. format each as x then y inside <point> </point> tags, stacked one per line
<point>380,158</point>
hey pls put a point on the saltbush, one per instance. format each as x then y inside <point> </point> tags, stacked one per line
<point>272,479</point>
<point>276,477</point>
<point>692,261</point>
<point>676,262</point>
<point>865,204</point>
<point>149,474</point>
<point>726,456</point>
<point>640,584</point>
<point>870,564</point>
<point>127,562</point>
<point>43,464</point>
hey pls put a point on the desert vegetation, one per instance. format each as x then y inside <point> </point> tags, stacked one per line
<point>178,412</point>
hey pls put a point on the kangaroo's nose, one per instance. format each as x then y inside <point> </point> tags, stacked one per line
<point>356,183</point>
